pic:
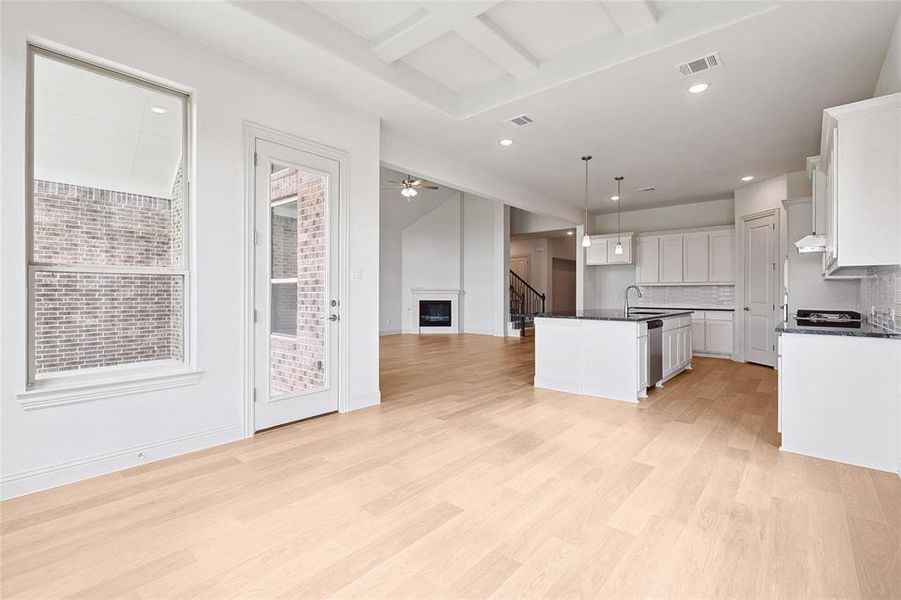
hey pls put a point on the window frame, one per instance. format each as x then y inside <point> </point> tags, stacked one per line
<point>120,373</point>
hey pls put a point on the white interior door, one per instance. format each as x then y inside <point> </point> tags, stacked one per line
<point>522,266</point>
<point>760,290</point>
<point>295,285</point>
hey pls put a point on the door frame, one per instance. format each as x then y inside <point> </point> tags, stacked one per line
<point>738,330</point>
<point>253,132</point>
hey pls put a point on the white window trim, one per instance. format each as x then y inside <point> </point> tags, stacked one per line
<point>83,385</point>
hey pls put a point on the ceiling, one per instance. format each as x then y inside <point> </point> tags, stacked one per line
<point>397,212</point>
<point>596,76</point>
<point>101,132</point>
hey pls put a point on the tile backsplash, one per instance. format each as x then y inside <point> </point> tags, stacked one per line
<point>882,292</point>
<point>687,296</point>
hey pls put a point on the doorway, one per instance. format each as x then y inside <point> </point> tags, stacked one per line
<point>297,312</point>
<point>760,240</point>
<point>563,285</point>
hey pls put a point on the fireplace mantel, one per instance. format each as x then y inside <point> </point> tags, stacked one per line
<point>447,294</point>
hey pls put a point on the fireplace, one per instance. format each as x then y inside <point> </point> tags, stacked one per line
<point>435,313</point>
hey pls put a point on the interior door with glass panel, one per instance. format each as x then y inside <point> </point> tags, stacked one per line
<point>296,285</point>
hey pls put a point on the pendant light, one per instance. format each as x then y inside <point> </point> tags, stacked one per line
<point>586,241</point>
<point>618,249</point>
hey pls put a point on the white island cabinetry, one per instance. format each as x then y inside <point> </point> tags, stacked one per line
<point>608,356</point>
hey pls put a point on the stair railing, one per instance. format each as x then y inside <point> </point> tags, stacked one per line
<point>525,301</point>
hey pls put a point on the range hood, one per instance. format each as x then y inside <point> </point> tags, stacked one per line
<point>811,243</point>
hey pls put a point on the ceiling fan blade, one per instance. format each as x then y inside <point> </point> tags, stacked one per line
<point>415,182</point>
<point>426,187</point>
<point>397,182</point>
<point>390,188</point>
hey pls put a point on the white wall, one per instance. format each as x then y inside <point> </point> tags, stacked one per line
<point>889,81</point>
<point>524,221</point>
<point>50,446</point>
<point>806,286</point>
<point>431,254</point>
<point>390,281</point>
<point>482,225</point>
<point>680,216</point>
<point>460,245</point>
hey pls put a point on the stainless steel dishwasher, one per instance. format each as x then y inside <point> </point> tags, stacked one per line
<point>655,352</point>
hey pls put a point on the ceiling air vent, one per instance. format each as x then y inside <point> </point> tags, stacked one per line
<point>649,188</point>
<point>521,120</point>
<point>700,64</point>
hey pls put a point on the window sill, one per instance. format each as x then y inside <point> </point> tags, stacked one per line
<point>48,394</point>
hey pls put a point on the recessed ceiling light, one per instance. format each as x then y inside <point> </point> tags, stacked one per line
<point>506,142</point>
<point>747,178</point>
<point>698,88</point>
<point>158,110</point>
<point>614,198</point>
<point>569,233</point>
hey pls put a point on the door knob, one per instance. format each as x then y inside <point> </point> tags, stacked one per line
<point>333,317</point>
<point>747,308</point>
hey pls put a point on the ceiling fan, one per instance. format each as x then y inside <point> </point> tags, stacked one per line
<point>409,186</point>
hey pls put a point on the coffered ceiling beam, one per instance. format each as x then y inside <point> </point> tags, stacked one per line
<point>425,25</point>
<point>494,43</point>
<point>631,17</point>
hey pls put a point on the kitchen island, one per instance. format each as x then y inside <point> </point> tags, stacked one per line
<point>606,353</point>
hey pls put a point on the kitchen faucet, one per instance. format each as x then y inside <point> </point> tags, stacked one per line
<point>626,298</point>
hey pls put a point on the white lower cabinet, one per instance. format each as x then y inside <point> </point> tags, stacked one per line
<point>698,334</point>
<point>712,332</point>
<point>643,365</point>
<point>676,345</point>
<point>719,337</point>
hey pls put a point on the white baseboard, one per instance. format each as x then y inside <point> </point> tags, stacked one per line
<point>560,385</point>
<point>391,332</point>
<point>35,480</point>
<point>364,400</point>
<point>479,331</point>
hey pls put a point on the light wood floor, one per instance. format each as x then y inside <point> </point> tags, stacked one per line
<point>468,483</point>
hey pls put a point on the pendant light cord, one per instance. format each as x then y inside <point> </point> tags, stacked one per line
<point>619,209</point>
<point>586,158</point>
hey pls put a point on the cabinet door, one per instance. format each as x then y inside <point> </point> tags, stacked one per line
<point>665,348</point>
<point>648,260</point>
<point>671,259</point>
<point>698,335</point>
<point>722,262</point>
<point>642,364</point>
<point>596,254</point>
<point>695,259</point>
<point>831,197</point>
<point>719,337</point>
<point>686,346</point>
<point>619,259</point>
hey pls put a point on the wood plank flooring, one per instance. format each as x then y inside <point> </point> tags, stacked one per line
<point>467,482</point>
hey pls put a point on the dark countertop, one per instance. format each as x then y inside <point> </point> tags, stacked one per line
<point>612,314</point>
<point>866,330</point>
<point>693,308</point>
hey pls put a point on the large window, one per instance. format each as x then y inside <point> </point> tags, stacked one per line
<point>108,271</point>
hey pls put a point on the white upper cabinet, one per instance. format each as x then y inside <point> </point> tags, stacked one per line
<point>695,256</point>
<point>671,259</point>
<point>619,259</point>
<point>700,256</point>
<point>596,254</point>
<point>722,256</point>
<point>603,250</point>
<point>862,159</point>
<point>648,270</point>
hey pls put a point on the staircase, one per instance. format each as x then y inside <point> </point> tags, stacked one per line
<point>525,303</point>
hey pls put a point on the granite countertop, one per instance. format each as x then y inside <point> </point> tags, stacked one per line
<point>612,314</point>
<point>699,307</point>
<point>866,330</point>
